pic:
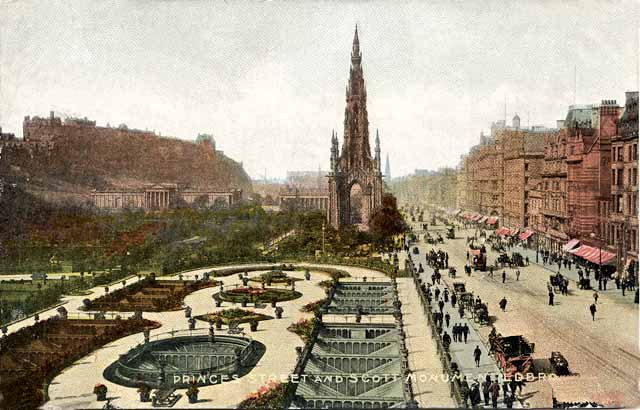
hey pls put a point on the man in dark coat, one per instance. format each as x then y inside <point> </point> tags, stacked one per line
<point>503,304</point>
<point>475,394</point>
<point>447,318</point>
<point>476,355</point>
<point>465,332</point>
<point>485,389</point>
<point>441,305</point>
<point>446,340</point>
<point>550,298</point>
<point>454,299</point>
<point>592,308</point>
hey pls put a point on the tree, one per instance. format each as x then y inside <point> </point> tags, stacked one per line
<point>386,222</point>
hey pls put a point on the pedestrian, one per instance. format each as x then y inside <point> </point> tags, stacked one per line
<point>437,293</point>
<point>467,251</point>
<point>526,259</point>
<point>604,283</point>
<point>623,285</point>
<point>454,299</point>
<point>508,400</point>
<point>446,340</point>
<point>505,388</point>
<point>464,391</point>
<point>461,310</point>
<point>486,385</point>
<point>465,332</point>
<point>441,305</point>
<point>476,355</point>
<point>518,274</point>
<point>446,295</point>
<point>447,317</point>
<point>475,394</point>
<point>504,276</point>
<point>595,297</point>
<point>494,389</point>
<point>551,298</point>
<point>512,385</point>
<point>592,309</point>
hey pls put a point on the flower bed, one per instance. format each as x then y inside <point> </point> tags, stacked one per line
<point>253,295</point>
<point>274,277</point>
<point>313,306</point>
<point>271,395</point>
<point>302,328</point>
<point>233,315</point>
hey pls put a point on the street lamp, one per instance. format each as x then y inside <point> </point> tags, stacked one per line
<point>593,236</point>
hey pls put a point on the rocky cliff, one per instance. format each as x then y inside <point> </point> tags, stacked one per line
<point>68,159</point>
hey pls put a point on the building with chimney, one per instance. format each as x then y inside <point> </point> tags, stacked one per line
<point>355,179</point>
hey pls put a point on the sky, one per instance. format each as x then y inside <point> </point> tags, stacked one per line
<point>267,78</point>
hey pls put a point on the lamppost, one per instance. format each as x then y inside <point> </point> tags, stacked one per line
<point>593,236</point>
<point>323,228</point>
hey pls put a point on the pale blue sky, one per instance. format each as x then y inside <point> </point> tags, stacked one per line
<point>268,78</point>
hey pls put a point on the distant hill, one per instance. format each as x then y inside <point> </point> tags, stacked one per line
<point>66,160</point>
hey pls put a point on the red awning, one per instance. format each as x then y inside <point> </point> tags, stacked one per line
<point>503,231</point>
<point>593,255</point>
<point>570,245</point>
<point>525,235</point>
<point>492,220</point>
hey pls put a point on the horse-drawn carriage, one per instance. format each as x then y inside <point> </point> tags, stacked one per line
<point>459,287</point>
<point>480,313</point>
<point>504,260</point>
<point>513,354</point>
<point>465,299</point>
<point>517,259</point>
<point>559,364</point>
<point>451,233</point>
<point>479,260</point>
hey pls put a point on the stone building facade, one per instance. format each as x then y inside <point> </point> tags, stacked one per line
<point>589,170</point>
<point>161,197</point>
<point>619,221</point>
<point>523,158</point>
<point>355,179</point>
<point>550,196</point>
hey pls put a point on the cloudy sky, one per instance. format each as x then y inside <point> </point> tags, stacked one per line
<point>268,78</point>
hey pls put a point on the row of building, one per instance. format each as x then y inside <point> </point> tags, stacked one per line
<point>577,181</point>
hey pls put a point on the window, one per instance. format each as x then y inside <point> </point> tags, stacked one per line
<point>634,179</point>
<point>635,151</point>
<point>620,179</point>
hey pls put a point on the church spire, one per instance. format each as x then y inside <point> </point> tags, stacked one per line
<point>356,55</point>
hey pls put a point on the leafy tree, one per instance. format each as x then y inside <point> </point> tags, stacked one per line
<point>386,222</point>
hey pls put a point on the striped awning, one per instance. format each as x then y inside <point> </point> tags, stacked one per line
<point>593,255</point>
<point>525,235</point>
<point>503,231</point>
<point>492,220</point>
<point>570,245</point>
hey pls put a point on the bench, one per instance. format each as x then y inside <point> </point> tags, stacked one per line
<point>164,397</point>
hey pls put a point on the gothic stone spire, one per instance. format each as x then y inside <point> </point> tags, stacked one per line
<point>355,150</point>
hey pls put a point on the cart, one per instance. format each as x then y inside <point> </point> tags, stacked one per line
<point>513,354</point>
<point>559,364</point>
